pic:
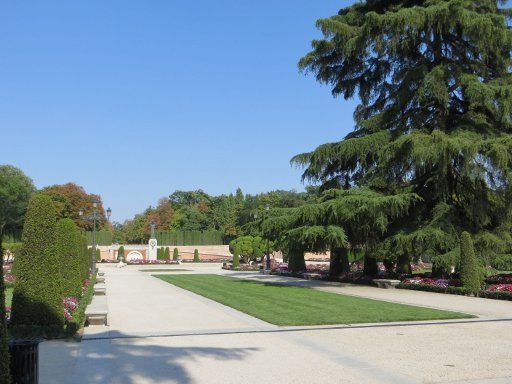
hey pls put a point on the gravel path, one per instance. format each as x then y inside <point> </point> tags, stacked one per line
<point>159,333</point>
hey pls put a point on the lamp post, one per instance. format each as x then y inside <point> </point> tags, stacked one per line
<point>94,217</point>
<point>267,208</point>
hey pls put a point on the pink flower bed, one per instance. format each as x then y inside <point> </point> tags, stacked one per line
<point>70,306</point>
<point>500,288</point>
<point>431,281</point>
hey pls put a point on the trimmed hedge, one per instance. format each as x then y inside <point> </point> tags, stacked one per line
<point>120,253</point>
<point>174,238</point>
<point>196,256</point>
<point>67,250</point>
<point>457,291</point>
<point>37,302</point>
<point>167,253</point>
<point>175,254</point>
<point>236,258</point>
<point>469,269</point>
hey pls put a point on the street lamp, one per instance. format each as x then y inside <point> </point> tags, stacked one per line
<point>109,212</point>
<point>267,208</point>
<point>94,217</point>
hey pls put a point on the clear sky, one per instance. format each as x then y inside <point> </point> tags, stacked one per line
<point>135,99</point>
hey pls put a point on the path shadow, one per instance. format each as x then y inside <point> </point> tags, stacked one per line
<point>141,360</point>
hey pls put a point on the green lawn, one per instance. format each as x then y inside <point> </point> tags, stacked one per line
<point>285,305</point>
<point>8,296</point>
<point>165,270</point>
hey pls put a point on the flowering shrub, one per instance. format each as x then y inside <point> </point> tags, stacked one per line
<point>70,306</point>
<point>503,278</point>
<point>500,288</point>
<point>432,281</point>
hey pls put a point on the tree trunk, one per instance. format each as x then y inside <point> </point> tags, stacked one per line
<point>5,375</point>
<point>339,263</point>
<point>370,265</point>
<point>296,262</point>
<point>403,265</point>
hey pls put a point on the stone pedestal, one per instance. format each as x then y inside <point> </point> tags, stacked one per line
<point>152,247</point>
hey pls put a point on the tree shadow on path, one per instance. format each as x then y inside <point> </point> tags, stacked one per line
<point>145,360</point>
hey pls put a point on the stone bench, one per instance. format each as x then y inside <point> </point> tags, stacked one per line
<point>101,273</point>
<point>386,283</point>
<point>312,276</point>
<point>100,289</point>
<point>100,279</point>
<point>96,313</point>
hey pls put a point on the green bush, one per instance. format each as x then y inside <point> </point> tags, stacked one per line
<point>175,254</point>
<point>236,258</point>
<point>67,250</point>
<point>85,257</point>
<point>196,256</point>
<point>160,254</point>
<point>502,263</point>
<point>37,302</point>
<point>470,273</point>
<point>98,255</point>
<point>296,262</point>
<point>167,254</point>
<point>120,253</point>
<point>496,295</point>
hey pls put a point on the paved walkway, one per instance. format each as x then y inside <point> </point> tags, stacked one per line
<point>159,333</point>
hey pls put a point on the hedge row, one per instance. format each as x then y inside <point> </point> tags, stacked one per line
<point>189,238</point>
<point>457,291</point>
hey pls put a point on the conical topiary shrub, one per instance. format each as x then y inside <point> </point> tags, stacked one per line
<point>167,253</point>
<point>68,252</point>
<point>196,256</point>
<point>120,253</point>
<point>236,258</point>
<point>98,255</point>
<point>36,300</point>
<point>175,254</point>
<point>469,268</point>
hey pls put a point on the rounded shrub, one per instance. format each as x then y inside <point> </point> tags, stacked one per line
<point>175,254</point>
<point>196,256</point>
<point>469,269</point>
<point>37,302</point>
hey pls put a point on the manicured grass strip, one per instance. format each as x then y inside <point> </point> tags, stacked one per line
<point>165,270</point>
<point>286,305</point>
<point>8,296</point>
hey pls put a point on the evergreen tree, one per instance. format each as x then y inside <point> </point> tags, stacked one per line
<point>196,256</point>
<point>120,253</point>
<point>469,268</point>
<point>98,255</point>
<point>36,299</point>
<point>175,254</point>
<point>434,82</point>
<point>167,254</point>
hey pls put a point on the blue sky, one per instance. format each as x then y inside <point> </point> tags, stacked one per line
<point>135,99</point>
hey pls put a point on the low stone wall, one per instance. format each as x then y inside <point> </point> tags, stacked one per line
<point>186,252</point>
